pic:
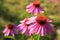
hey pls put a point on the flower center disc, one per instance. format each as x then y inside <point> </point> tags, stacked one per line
<point>26,21</point>
<point>41,19</point>
<point>36,3</point>
<point>10,26</point>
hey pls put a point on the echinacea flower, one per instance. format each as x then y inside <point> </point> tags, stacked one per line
<point>10,29</point>
<point>34,8</point>
<point>41,25</point>
<point>23,27</point>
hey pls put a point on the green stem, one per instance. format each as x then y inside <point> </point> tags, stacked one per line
<point>35,37</point>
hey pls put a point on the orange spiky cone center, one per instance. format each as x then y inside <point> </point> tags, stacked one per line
<point>36,3</point>
<point>10,26</point>
<point>41,19</point>
<point>26,21</point>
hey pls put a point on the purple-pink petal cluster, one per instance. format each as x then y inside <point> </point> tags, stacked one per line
<point>35,25</point>
<point>41,26</point>
<point>23,27</point>
<point>34,8</point>
<point>10,29</point>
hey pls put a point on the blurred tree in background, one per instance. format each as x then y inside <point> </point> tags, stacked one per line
<point>14,11</point>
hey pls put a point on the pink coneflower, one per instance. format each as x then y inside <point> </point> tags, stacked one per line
<point>24,27</point>
<point>40,25</point>
<point>34,8</point>
<point>10,29</point>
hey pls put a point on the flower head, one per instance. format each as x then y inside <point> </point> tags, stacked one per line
<point>10,29</point>
<point>23,27</point>
<point>41,25</point>
<point>34,8</point>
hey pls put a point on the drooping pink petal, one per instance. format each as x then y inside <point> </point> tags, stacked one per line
<point>7,33</point>
<point>45,31</point>
<point>40,10</point>
<point>27,32</point>
<point>38,29</point>
<point>31,26</point>
<point>15,27</point>
<point>35,11</point>
<point>22,21</point>
<point>5,30</point>
<point>31,20</point>
<point>12,33</point>
<point>31,4</point>
<point>21,26</point>
<point>42,31</point>
<point>23,31</point>
<point>48,27</point>
<point>30,9</point>
<point>32,30</point>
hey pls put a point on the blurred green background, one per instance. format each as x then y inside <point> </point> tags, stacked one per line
<point>14,11</point>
